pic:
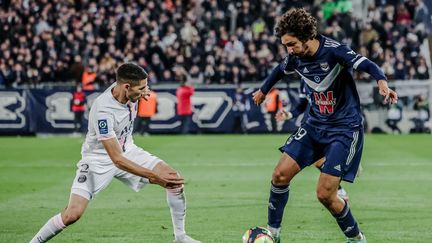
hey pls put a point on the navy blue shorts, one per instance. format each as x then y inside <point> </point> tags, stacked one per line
<point>342,150</point>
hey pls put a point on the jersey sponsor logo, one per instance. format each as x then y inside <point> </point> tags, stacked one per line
<point>325,101</point>
<point>325,66</point>
<point>103,126</point>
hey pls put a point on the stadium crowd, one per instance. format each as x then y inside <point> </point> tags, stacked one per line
<point>201,41</point>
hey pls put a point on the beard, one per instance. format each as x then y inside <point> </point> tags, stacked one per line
<point>132,98</point>
<point>304,52</point>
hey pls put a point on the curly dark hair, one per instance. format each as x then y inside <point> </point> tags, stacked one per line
<point>297,22</point>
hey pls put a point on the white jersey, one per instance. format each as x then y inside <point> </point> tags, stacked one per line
<point>108,118</point>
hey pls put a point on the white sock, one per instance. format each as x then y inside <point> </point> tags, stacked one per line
<point>177,203</point>
<point>275,231</point>
<point>54,226</point>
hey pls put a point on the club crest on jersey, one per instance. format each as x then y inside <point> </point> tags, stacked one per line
<point>325,101</point>
<point>317,79</point>
<point>103,126</point>
<point>325,66</point>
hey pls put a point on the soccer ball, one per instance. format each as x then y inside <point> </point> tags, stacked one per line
<point>257,235</point>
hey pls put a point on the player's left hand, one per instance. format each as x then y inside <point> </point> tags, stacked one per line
<point>390,96</point>
<point>283,115</point>
<point>167,179</point>
<point>258,97</point>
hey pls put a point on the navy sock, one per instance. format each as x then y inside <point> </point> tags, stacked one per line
<point>277,201</point>
<point>347,223</point>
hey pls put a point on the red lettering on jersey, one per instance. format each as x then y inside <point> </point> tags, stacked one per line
<point>326,102</point>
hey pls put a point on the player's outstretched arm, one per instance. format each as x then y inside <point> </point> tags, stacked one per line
<point>276,75</point>
<point>347,56</point>
<point>169,180</point>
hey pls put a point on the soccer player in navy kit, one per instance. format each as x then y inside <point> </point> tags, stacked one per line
<point>298,108</point>
<point>333,128</point>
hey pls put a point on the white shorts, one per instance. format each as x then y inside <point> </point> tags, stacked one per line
<point>92,177</point>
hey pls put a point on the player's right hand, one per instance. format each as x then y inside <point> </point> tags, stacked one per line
<point>258,97</point>
<point>169,180</point>
<point>283,115</point>
<point>146,93</point>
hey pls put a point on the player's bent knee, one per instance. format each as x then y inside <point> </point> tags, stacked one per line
<point>324,196</point>
<point>70,218</point>
<point>279,178</point>
<point>71,215</point>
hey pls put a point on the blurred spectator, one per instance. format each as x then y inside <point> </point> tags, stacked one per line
<point>89,76</point>
<point>77,69</point>
<point>412,73</point>
<point>273,104</point>
<point>60,41</point>
<point>78,108</point>
<point>402,15</point>
<point>189,33</point>
<point>367,34</point>
<point>180,74</point>
<point>19,75</point>
<point>184,107</point>
<point>238,111</point>
<point>209,74</point>
<point>421,106</point>
<point>394,116</point>
<point>167,76</point>
<point>422,69</point>
<point>147,108</point>
<point>194,76</point>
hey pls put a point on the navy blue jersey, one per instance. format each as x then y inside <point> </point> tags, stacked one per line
<point>301,105</point>
<point>329,83</point>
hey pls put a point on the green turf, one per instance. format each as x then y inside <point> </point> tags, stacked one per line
<point>227,189</point>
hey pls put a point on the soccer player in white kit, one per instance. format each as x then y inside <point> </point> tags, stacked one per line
<point>109,152</point>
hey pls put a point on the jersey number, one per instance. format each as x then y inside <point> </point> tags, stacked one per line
<point>300,133</point>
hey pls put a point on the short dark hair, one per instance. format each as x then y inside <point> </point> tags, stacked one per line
<point>296,22</point>
<point>130,73</point>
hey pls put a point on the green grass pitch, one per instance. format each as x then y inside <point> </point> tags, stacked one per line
<point>228,178</point>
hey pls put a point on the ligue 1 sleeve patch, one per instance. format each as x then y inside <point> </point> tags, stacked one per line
<point>103,126</point>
